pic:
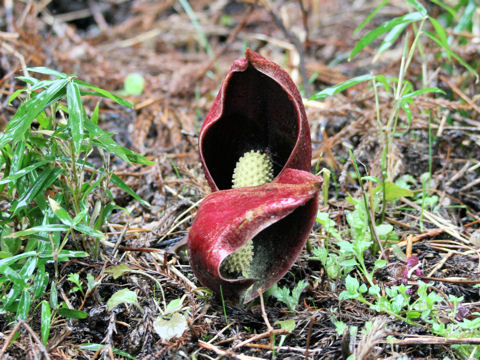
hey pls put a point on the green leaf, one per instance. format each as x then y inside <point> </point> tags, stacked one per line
<point>406,108</point>
<point>124,296</point>
<point>65,255</point>
<point>440,31</point>
<point>444,6</point>
<point>45,321</point>
<point>174,306</point>
<point>173,327</point>
<point>332,90</point>
<point>104,93</point>
<point>75,112</point>
<point>390,39</point>
<point>418,6</point>
<point>40,282</point>
<point>351,284</point>
<point>60,212</point>
<point>103,140</point>
<point>133,84</point>
<point>329,225</point>
<point>94,117</point>
<point>14,277</point>
<point>37,229</point>
<point>26,170</point>
<point>89,231</point>
<point>46,178</point>
<point>27,112</point>
<point>382,29</point>
<point>24,305</point>
<point>370,17</point>
<point>288,324</point>
<point>117,270</point>
<point>119,182</point>
<point>452,54</point>
<point>4,263</point>
<point>393,191</point>
<point>97,347</point>
<point>47,71</point>
<point>15,94</point>
<point>72,313</point>
<point>416,93</point>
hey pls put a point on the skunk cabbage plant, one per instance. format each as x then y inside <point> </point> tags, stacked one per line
<point>255,150</point>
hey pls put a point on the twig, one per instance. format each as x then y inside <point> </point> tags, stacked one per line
<point>450,280</point>
<point>261,336</point>
<point>434,340</point>
<point>441,263</point>
<point>229,40</point>
<point>295,41</point>
<point>32,333</point>
<point>309,335</point>
<point>222,352</point>
<point>9,339</point>
<point>460,93</point>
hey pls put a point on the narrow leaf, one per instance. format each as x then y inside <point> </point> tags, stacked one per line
<point>27,112</point>
<point>75,112</point>
<point>390,39</point>
<point>24,305</point>
<point>89,231</point>
<point>332,90</point>
<point>418,6</point>
<point>4,263</point>
<point>72,313</point>
<point>119,182</point>
<point>37,229</point>
<point>60,212</point>
<point>47,178</point>
<point>370,17</point>
<point>104,93</point>
<point>382,29</point>
<point>45,321</point>
<point>23,172</point>
<point>452,54</point>
<point>422,91</point>
<point>47,71</point>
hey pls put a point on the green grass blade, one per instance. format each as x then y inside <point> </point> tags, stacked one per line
<point>382,29</point>
<point>119,182</point>
<point>37,229</point>
<point>193,18</point>
<point>440,31</point>
<point>89,231</point>
<point>422,91</point>
<point>24,305</point>
<point>22,172</point>
<point>104,93</point>
<point>75,115</point>
<point>60,212</point>
<point>332,90</point>
<point>45,321</point>
<point>370,17</point>
<point>40,282</point>
<point>28,111</point>
<point>452,54</point>
<point>390,38</point>
<point>4,263</point>
<point>46,179</point>
<point>418,6</point>
<point>103,140</point>
<point>47,71</point>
